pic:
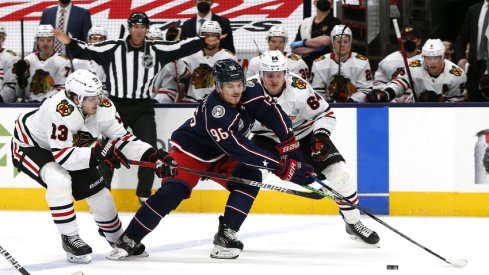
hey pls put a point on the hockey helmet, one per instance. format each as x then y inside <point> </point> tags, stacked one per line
<point>227,70</point>
<point>44,31</point>
<point>98,30</point>
<point>433,47</point>
<point>138,18</point>
<point>277,31</point>
<point>341,30</point>
<point>210,27</point>
<point>273,61</point>
<point>83,83</point>
<point>154,33</point>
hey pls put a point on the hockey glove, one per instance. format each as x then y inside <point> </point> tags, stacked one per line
<point>166,166</point>
<point>485,160</point>
<point>320,145</point>
<point>106,154</point>
<point>295,171</point>
<point>291,148</point>
<point>20,70</point>
<point>377,95</point>
<point>430,96</point>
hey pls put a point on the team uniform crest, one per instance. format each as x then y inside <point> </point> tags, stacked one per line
<point>361,57</point>
<point>415,63</point>
<point>319,58</point>
<point>456,71</point>
<point>298,83</point>
<point>294,57</point>
<point>251,83</point>
<point>105,102</point>
<point>397,73</point>
<point>64,108</point>
<point>147,61</point>
<point>218,111</point>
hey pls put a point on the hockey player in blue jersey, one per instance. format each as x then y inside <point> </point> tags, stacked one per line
<point>216,139</point>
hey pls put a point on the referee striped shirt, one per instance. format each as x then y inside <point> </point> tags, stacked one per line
<point>130,71</point>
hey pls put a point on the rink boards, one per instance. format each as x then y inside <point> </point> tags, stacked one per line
<point>419,160</point>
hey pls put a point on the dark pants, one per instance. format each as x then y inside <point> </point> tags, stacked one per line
<point>139,114</point>
<point>473,78</point>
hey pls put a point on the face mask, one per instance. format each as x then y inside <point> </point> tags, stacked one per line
<point>65,2</point>
<point>323,5</point>
<point>409,45</point>
<point>203,7</point>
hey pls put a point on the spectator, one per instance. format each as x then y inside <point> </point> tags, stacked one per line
<point>130,80</point>
<point>313,37</point>
<point>449,50</point>
<point>68,18</point>
<point>201,63</point>
<point>277,39</point>
<point>8,79</point>
<point>191,27</point>
<point>473,32</point>
<point>436,79</point>
<point>343,75</point>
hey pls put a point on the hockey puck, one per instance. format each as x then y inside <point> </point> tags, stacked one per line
<point>392,267</point>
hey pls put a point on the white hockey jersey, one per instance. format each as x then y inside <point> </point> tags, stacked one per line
<point>356,69</point>
<point>8,80</point>
<point>165,85</point>
<point>53,70</point>
<point>307,110</point>
<point>450,83</point>
<point>59,126</point>
<point>391,67</point>
<point>200,65</point>
<point>92,67</point>
<point>295,64</point>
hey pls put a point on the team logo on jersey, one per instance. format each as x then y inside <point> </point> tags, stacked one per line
<point>294,57</point>
<point>319,58</point>
<point>456,71</point>
<point>83,139</point>
<point>397,73</point>
<point>415,63</point>
<point>64,108</point>
<point>12,52</point>
<point>251,83</point>
<point>147,61</point>
<point>240,124</point>
<point>298,83</point>
<point>202,77</point>
<point>361,57</point>
<point>105,102</point>
<point>218,111</point>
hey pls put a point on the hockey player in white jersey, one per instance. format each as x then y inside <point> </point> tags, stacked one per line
<point>168,86</point>
<point>277,39</point>
<point>313,122</point>
<point>96,34</point>
<point>435,78</point>
<point>57,146</point>
<point>201,63</point>
<point>342,75</point>
<point>8,79</point>
<point>47,69</point>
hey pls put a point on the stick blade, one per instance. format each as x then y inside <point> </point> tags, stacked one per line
<point>459,263</point>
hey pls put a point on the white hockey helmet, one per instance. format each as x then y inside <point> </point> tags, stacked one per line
<point>154,33</point>
<point>83,83</point>
<point>341,29</point>
<point>277,31</point>
<point>273,61</point>
<point>433,47</point>
<point>98,30</point>
<point>44,31</point>
<point>210,27</point>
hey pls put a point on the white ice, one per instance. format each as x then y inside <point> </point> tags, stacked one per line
<point>274,244</point>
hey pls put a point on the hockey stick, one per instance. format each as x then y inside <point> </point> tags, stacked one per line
<point>310,195</point>
<point>257,48</point>
<point>122,31</point>
<point>22,82</point>
<point>11,260</point>
<point>404,58</point>
<point>456,263</point>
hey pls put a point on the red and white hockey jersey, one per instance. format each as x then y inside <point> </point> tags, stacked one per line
<point>8,79</point>
<point>295,64</point>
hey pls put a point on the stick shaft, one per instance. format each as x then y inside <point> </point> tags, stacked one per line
<point>404,58</point>
<point>11,260</point>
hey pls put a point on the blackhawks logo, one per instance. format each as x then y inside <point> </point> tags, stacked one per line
<point>397,73</point>
<point>105,102</point>
<point>456,71</point>
<point>298,83</point>
<point>415,63</point>
<point>319,58</point>
<point>294,57</point>
<point>361,57</point>
<point>64,108</point>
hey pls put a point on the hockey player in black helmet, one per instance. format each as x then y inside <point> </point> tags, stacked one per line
<point>216,139</point>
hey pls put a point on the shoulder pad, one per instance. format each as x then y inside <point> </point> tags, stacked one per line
<point>319,58</point>
<point>294,57</point>
<point>64,108</point>
<point>62,55</point>
<point>415,63</point>
<point>361,57</point>
<point>456,70</point>
<point>298,83</point>
<point>12,52</point>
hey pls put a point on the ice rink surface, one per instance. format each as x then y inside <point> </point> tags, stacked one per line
<point>273,244</point>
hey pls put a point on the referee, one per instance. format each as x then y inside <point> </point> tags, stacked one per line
<point>130,65</point>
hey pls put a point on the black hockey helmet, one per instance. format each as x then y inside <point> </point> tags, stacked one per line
<point>227,70</point>
<point>138,18</point>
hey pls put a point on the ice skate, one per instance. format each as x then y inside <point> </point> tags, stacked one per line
<point>139,249</point>
<point>123,248</point>
<point>358,231</point>
<point>77,251</point>
<point>226,245</point>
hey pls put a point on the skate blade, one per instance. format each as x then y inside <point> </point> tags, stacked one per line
<point>142,255</point>
<point>82,259</point>
<point>219,252</point>
<point>117,254</point>
<point>364,244</point>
